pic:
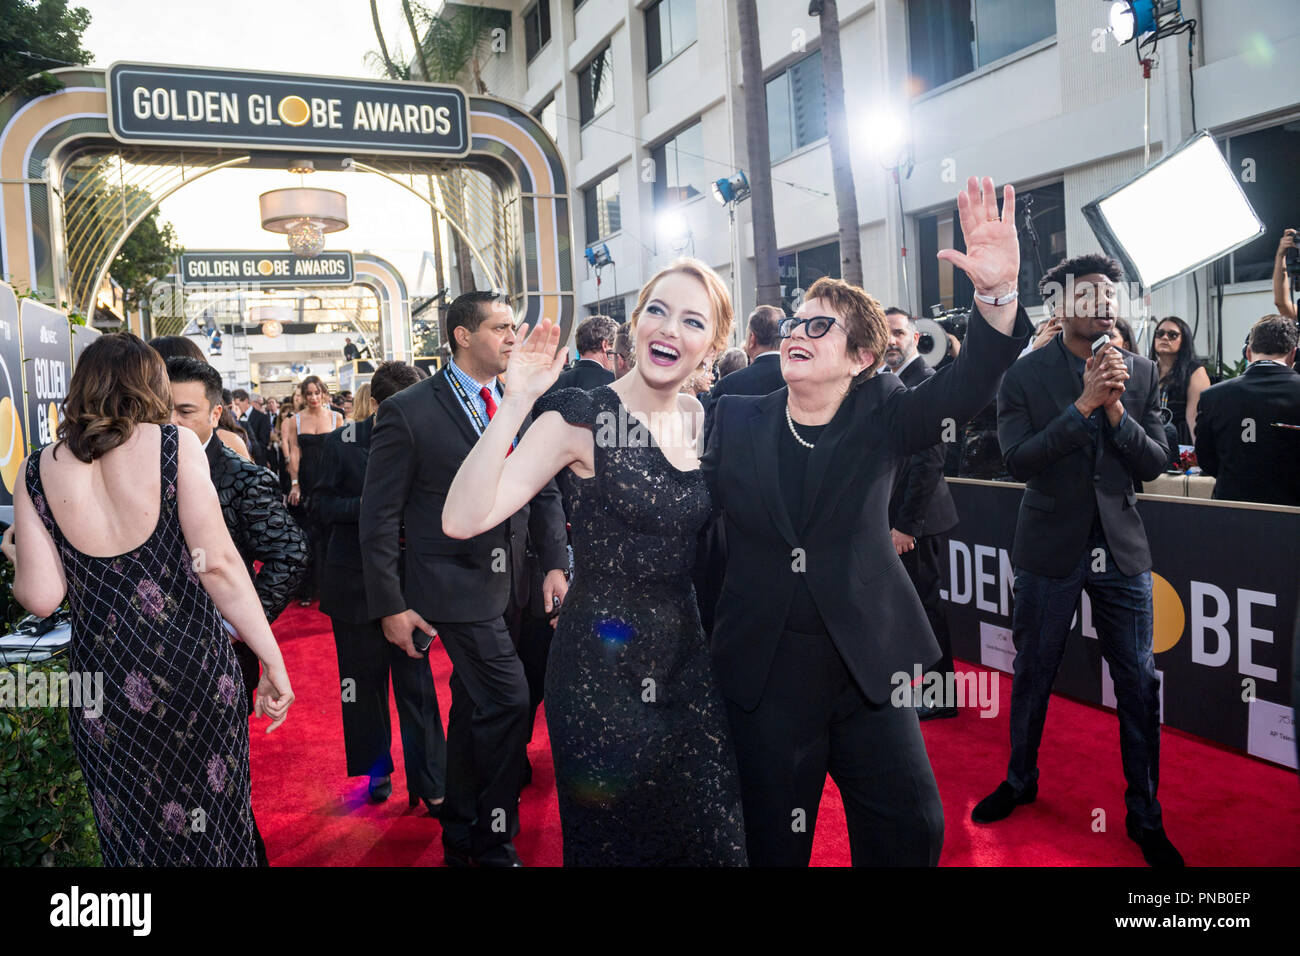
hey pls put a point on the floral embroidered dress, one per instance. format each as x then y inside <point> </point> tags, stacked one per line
<point>166,757</point>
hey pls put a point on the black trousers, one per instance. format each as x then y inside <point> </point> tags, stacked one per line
<point>366,661</point>
<point>924,564</point>
<point>487,734</point>
<point>812,720</point>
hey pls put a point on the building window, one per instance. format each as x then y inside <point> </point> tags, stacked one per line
<point>615,308</point>
<point>950,38</point>
<point>669,29</point>
<point>947,287</point>
<point>679,167</point>
<point>596,86</point>
<point>799,270</point>
<point>796,107</point>
<point>548,116</point>
<point>537,29</point>
<point>600,203</point>
<point>1266,162</point>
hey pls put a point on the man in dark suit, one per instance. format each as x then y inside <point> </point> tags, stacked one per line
<point>366,660</point>
<point>818,629</point>
<point>464,589</point>
<point>762,375</point>
<point>1082,429</point>
<point>594,340</point>
<point>1241,436</point>
<point>256,422</point>
<point>252,506</point>
<point>921,509</point>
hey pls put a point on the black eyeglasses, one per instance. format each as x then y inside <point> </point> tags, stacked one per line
<point>818,325</point>
<point>1168,334</point>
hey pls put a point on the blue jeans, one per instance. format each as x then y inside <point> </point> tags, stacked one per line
<point>1121,611</point>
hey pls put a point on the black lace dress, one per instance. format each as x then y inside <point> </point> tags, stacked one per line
<point>165,753</point>
<point>644,766</point>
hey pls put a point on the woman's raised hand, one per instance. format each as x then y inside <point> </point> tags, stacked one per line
<point>992,257</point>
<point>536,362</point>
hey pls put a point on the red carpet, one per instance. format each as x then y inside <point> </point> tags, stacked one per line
<point>1220,808</point>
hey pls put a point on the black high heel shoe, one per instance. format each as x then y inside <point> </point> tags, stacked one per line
<point>381,788</point>
<point>435,809</point>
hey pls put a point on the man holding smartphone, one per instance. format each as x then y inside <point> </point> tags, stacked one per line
<point>1078,423</point>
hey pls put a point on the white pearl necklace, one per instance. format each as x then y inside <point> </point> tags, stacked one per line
<point>797,437</point>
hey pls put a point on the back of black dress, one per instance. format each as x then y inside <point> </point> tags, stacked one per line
<point>165,752</point>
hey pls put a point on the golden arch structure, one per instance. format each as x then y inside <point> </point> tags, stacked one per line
<point>73,183</point>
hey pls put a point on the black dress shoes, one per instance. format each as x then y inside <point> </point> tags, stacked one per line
<point>999,804</point>
<point>435,809</point>
<point>381,788</point>
<point>1156,848</point>
<point>935,713</point>
<point>499,856</point>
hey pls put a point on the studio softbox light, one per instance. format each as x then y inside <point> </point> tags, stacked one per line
<point>1183,212</point>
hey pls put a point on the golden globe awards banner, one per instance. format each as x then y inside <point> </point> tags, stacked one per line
<point>191,106</point>
<point>82,335</point>
<point>47,368</point>
<point>251,268</point>
<point>1225,594</point>
<point>13,442</point>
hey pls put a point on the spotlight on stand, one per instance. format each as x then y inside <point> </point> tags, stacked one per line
<point>734,189</point>
<point>598,256</point>
<point>1183,212</point>
<point>1138,18</point>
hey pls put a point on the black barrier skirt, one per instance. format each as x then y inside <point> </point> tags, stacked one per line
<point>1224,583</point>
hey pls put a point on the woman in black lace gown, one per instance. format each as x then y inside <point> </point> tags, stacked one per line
<point>165,752</point>
<point>644,766</point>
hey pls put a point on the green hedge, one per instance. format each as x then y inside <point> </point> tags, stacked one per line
<point>45,816</point>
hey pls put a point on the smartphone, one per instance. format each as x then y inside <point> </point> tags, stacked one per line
<point>421,640</point>
<point>1099,343</point>
<point>555,611</point>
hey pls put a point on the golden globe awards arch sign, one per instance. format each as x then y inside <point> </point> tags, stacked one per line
<point>187,106</point>
<point>237,267</point>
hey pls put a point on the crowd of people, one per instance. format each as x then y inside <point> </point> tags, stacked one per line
<point>592,537</point>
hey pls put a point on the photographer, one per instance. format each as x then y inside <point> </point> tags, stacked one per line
<point>1286,249</point>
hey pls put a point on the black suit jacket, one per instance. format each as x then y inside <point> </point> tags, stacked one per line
<point>260,525</point>
<point>1266,468</point>
<point>857,581</point>
<point>1072,473</point>
<point>421,435</point>
<point>760,377</point>
<point>337,496</point>
<point>922,503</point>
<point>586,374</point>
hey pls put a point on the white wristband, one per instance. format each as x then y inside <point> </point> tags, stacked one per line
<point>998,299</point>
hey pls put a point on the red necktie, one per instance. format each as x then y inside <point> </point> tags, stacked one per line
<point>486,394</point>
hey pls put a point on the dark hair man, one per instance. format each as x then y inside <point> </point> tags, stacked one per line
<point>624,351</point>
<point>762,375</point>
<point>350,351</point>
<point>1241,433</point>
<point>255,422</point>
<point>1281,282</point>
<point>258,522</point>
<point>470,591</point>
<point>1082,429</point>
<point>921,508</point>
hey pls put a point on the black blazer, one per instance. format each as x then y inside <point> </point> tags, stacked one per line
<point>857,581</point>
<point>760,377</point>
<point>259,426</point>
<point>259,525</point>
<point>337,496</point>
<point>421,435</point>
<point>1268,468</point>
<point>586,374</point>
<point>922,503</point>
<point>1071,473</point>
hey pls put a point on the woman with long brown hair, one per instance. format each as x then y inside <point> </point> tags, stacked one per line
<point>301,439</point>
<point>121,515</point>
